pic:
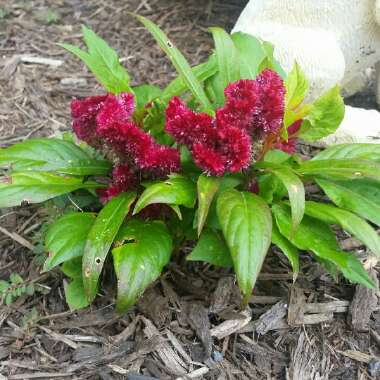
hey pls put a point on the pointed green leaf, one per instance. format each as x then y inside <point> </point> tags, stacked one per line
<point>361,196</point>
<point>100,239</point>
<point>145,93</point>
<point>66,237</point>
<point>207,187</point>
<point>75,295</point>
<point>179,62</point>
<point>295,190</point>
<point>348,221</point>
<point>289,250</point>
<point>103,61</point>
<point>143,250</point>
<point>176,190</point>
<point>211,248</point>
<point>325,116</point>
<point>227,56</point>
<point>47,154</point>
<point>341,169</point>
<point>296,86</point>
<point>270,62</point>
<point>178,86</point>
<point>247,227</point>
<point>316,236</point>
<point>36,187</point>
<point>370,152</point>
<point>73,268</point>
<point>251,54</point>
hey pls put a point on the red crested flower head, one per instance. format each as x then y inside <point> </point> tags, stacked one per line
<point>272,102</point>
<point>254,105</point>
<point>115,125</point>
<point>123,179</point>
<point>84,114</point>
<point>110,119</point>
<point>186,126</point>
<point>215,149</point>
<point>223,144</point>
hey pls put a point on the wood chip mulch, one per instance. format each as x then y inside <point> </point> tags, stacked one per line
<point>189,324</point>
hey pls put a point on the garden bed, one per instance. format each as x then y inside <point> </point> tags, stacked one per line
<point>189,323</point>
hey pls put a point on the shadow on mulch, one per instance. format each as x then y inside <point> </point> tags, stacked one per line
<point>189,324</point>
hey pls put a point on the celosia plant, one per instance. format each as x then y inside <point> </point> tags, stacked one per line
<point>218,141</point>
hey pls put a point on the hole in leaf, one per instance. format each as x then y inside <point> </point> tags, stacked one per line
<point>129,240</point>
<point>98,260</point>
<point>170,45</point>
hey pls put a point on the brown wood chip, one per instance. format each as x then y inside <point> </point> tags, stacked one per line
<point>363,305</point>
<point>197,315</point>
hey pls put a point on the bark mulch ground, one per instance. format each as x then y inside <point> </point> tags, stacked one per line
<point>189,324</point>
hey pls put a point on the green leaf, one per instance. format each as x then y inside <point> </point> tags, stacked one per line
<point>289,250</point>
<point>51,155</point>
<point>4,286</point>
<point>348,221</point>
<point>145,250</point>
<point>271,188</point>
<point>251,54</point>
<point>66,237</point>
<point>179,62</point>
<point>103,61</point>
<point>207,187</point>
<point>247,227</point>
<point>317,237</point>
<point>75,295</point>
<point>370,152</point>
<point>36,187</point>
<point>145,93</point>
<point>178,86</point>
<point>73,268</point>
<point>211,248</point>
<point>8,299</point>
<point>215,90</point>
<point>15,279</point>
<point>325,116</point>
<point>270,62</point>
<point>176,190</point>
<point>227,56</point>
<point>295,190</point>
<point>296,86</point>
<point>100,239</point>
<point>276,156</point>
<point>340,169</point>
<point>361,196</point>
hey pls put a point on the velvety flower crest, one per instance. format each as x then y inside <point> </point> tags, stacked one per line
<point>223,144</point>
<point>254,105</point>
<point>108,121</point>
<point>215,150</point>
<point>84,114</point>
<point>123,179</point>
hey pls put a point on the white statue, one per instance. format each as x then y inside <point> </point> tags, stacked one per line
<point>332,40</point>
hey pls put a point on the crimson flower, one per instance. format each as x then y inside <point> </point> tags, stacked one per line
<point>123,179</point>
<point>84,114</point>
<point>107,121</point>
<point>223,144</point>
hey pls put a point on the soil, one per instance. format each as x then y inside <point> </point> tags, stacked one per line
<point>189,324</point>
